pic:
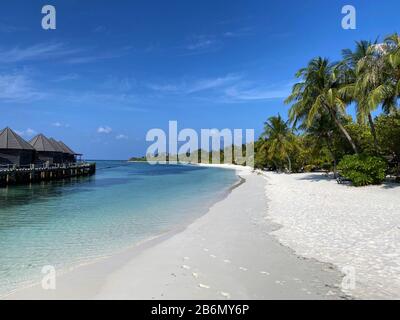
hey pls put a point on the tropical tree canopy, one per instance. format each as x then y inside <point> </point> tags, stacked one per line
<point>319,133</point>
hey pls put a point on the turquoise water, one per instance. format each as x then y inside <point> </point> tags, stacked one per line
<point>66,223</point>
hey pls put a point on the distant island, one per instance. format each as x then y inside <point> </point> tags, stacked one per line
<point>137,159</point>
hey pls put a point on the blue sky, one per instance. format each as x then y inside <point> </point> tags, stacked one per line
<point>112,70</point>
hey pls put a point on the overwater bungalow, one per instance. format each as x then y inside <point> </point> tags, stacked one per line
<point>46,150</point>
<point>14,150</point>
<point>69,154</point>
<point>41,159</point>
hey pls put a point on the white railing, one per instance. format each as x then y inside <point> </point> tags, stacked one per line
<point>79,164</point>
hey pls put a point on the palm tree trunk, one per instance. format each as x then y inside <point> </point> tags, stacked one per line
<point>373,131</point>
<point>344,131</point>
<point>333,157</point>
<point>290,164</point>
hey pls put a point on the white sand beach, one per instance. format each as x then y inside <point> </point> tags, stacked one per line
<point>349,227</point>
<point>274,236</point>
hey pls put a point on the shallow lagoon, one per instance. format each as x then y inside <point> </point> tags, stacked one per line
<point>67,223</point>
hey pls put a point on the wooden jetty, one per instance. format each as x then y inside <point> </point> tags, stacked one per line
<point>12,175</point>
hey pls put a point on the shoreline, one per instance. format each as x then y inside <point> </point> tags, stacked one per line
<point>133,248</point>
<point>201,262</point>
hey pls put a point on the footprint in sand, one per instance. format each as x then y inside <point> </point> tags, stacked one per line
<point>265,273</point>
<point>204,286</point>
<point>243,269</point>
<point>185,267</point>
<point>225,294</point>
<point>195,275</point>
<point>185,258</point>
<point>212,256</point>
<point>227,261</point>
<point>205,249</point>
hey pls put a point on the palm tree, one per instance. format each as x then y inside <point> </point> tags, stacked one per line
<point>318,93</point>
<point>323,130</point>
<point>394,60</point>
<point>381,74</point>
<point>280,139</point>
<point>356,88</point>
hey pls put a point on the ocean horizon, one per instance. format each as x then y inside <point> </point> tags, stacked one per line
<point>71,222</point>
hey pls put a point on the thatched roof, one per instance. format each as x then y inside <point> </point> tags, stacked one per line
<point>66,149</point>
<point>56,145</point>
<point>10,140</point>
<point>42,144</point>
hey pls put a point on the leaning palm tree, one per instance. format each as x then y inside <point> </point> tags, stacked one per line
<point>362,72</point>
<point>317,94</point>
<point>279,138</point>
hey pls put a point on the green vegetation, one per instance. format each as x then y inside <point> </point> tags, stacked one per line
<point>319,135</point>
<point>363,170</point>
<point>137,159</point>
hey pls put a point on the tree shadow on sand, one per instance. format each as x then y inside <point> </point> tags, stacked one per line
<point>317,177</point>
<point>391,185</point>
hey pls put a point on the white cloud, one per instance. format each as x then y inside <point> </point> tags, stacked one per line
<point>238,33</point>
<point>212,83</point>
<point>204,43</point>
<point>43,51</point>
<point>121,137</point>
<point>105,130</point>
<point>17,88</point>
<point>30,132</point>
<point>257,93</point>
<point>119,84</point>
<point>67,77</point>
<point>164,87</point>
<point>26,133</point>
<point>201,44</point>
<point>100,56</point>
<point>39,51</point>
<point>231,88</point>
<point>99,29</point>
<point>195,86</point>
<point>58,124</point>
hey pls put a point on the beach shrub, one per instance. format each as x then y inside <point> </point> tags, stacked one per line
<point>388,133</point>
<point>309,168</point>
<point>363,170</point>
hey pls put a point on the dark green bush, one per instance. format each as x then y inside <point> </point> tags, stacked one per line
<point>363,170</point>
